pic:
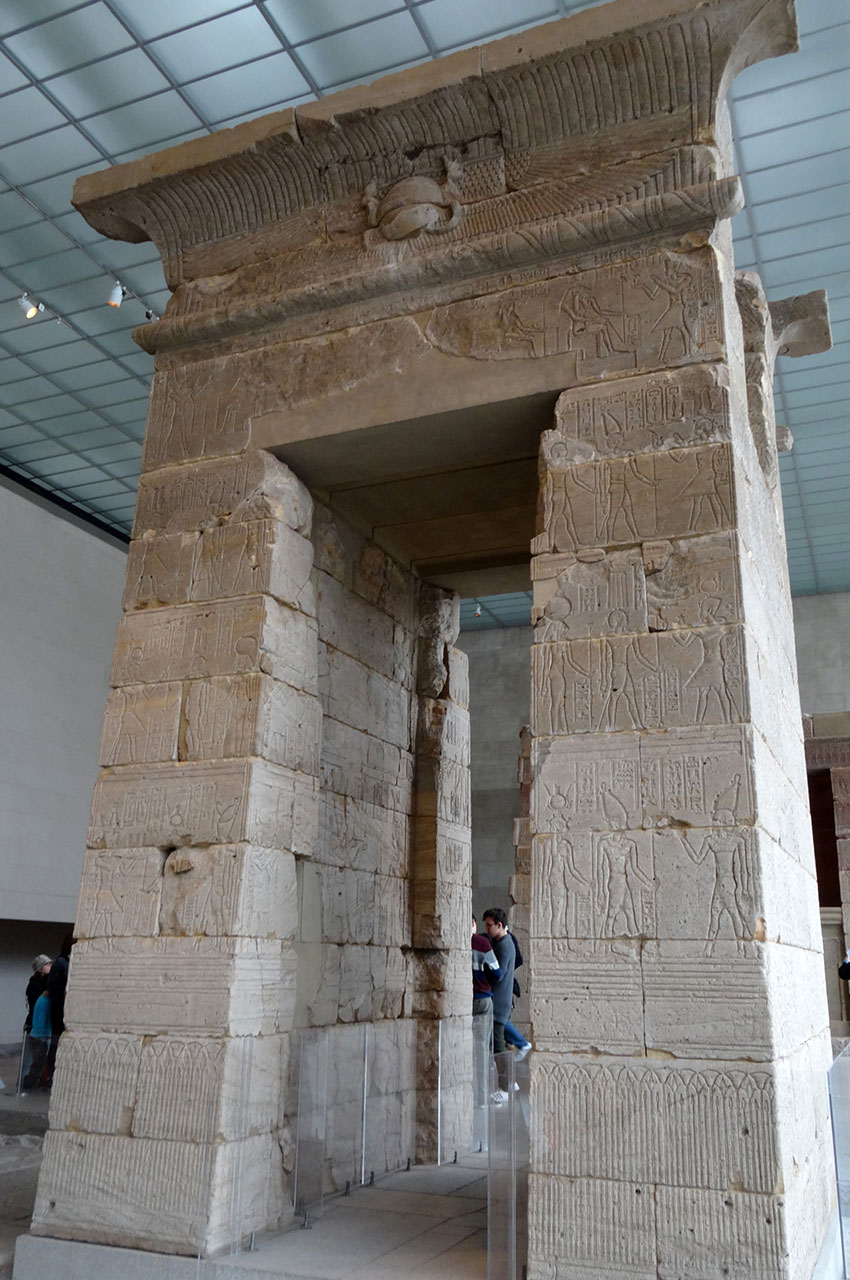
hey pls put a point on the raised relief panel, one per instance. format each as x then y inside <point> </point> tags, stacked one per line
<point>443,730</point>
<point>252,486</point>
<point>701,777</point>
<point>709,885</point>
<point>711,1126</point>
<point>194,641</point>
<point>587,995</point>
<point>707,1006</point>
<point>141,724</point>
<point>236,890</point>
<point>591,594</point>
<point>253,715</point>
<point>204,804</point>
<point>202,986</point>
<point>692,582</point>
<point>443,791</point>
<point>639,415</point>
<point>655,310</point>
<point>643,497</point>
<point>159,570</point>
<point>94,1090</point>
<point>364,836</point>
<point>586,785</point>
<point>660,681</point>
<point>120,893</point>
<point>594,885</point>
<point>254,557</point>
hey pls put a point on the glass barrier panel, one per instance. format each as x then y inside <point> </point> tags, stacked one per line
<point>501,1189</point>
<point>455,1092</point>
<point>33,1067</point>
<point>839,1104</point>
<point>482,1047</point>
<point>389,1110</point>
<point>311,1123</point>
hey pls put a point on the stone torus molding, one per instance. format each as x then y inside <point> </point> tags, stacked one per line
<point>602,128</point>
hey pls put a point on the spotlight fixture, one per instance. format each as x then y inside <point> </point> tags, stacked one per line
<point>117,295</point>
<point>29,306</point>
<point>477,612</point>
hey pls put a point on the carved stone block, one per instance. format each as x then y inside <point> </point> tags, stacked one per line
<point>589,785</point>
<point>253,715</point>
<point>703,1233</point>
<point>592,594</point>
<point>578,1227</point>
<point>660,681</point>
<point>711,1125</point>
<point>655,310</point>
<point>236,890</point>
<point>194,1089</point>
<point>253,486</point>
<point>168,805</point>
<point>94,1090</point>
<point>363,836</point>
<point>459,677</point>
<point>702,777</point>
<point>347,623</point>
<point>668,410</point>
<point>443,791</point>
<point>358,696</point>
<point>189,986</point>
<point>443,730</point>
<point>159,570</point>
<point>253,557</point>
<point>356,764</point>
<point>574,981</point>
<point>642,497</point>
<point>120,893</point>
<point>141,723</point>
<point>195,641</point>
<point>693,582</point>
<point>141,1190</point>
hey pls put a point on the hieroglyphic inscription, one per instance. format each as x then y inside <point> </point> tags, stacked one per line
<point>204,804</point>
<point>646,496</point>
<point>591,594</point>
<point>591,785</point>
<point>698,776</point>
<point>159,570</point>
<point>250,557</point>
<point>237,890</point>
<point>574,981</point>
<point>193,641</point>
<point>141,723</point>
<point>120,893</point>
<point>658,681</point>
<point>692,582</point>
<point>200,408</point>
<point>660,309</point>
<point>639,415</point>
<point>252,715</point>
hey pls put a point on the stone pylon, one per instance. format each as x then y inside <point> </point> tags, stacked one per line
<point>387,289</point>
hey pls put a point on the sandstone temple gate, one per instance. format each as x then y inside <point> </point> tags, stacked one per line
<point>416,329</point>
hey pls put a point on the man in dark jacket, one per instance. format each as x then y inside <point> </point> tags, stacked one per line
<point>496,924</point>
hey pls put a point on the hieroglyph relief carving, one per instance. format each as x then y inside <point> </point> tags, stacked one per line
<point>659,681</point>
<point>656,309</point>
<point>120,893</point>
<point>646,496</point>
<point>668,410</point>
<point>683,884</point>
<point>625,782</point>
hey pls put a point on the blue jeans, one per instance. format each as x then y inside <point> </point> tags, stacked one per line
<point>513,1037</point>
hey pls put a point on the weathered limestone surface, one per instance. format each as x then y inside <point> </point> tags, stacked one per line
<point>541,217</point>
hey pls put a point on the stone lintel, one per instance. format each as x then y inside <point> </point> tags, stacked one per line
<point>429,164</point>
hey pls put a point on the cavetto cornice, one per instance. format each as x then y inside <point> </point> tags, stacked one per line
<point>604,126</point>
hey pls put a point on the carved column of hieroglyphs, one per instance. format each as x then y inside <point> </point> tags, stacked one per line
<point>166,1101</point>
<point>673,901</point>
<point>519,886</point>
<point>442,882</point>
<point>840,778</point>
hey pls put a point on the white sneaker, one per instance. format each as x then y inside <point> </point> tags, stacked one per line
<point>514,1087</point>
<point>498,1096</point>
<point>523,1052</point>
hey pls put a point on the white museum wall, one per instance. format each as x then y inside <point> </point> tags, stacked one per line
<point>60,588</point>
<point>822,635</point>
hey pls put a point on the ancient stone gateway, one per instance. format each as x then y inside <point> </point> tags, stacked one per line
<point>384,302</point>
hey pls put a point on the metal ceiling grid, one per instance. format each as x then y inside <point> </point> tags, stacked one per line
<point>98,82</point>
